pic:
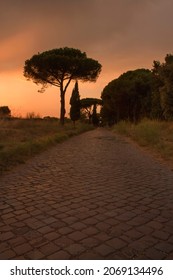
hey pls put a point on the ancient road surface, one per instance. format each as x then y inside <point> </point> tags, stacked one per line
<point>94,196</point>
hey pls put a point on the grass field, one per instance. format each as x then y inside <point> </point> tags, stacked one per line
<point>154,135</point>
<point>22,138</point>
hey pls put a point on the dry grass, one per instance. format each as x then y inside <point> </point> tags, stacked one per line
<point>154,135</point>
<point>20,139</point>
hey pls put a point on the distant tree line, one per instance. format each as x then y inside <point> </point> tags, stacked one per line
<point>140,93</point>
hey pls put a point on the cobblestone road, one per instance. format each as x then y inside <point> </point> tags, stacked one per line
<point>94,196</point>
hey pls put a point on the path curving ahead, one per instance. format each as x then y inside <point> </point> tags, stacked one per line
<point>94,196</point>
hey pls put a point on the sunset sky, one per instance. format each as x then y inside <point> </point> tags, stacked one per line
<point>121,34</point>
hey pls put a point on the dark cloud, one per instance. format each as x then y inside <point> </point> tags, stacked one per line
<point>107,29</point>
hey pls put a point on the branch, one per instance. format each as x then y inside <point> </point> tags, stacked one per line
<point>67,84</point>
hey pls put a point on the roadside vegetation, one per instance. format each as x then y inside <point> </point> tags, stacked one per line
<point>157,136</point>
<point>139,104</point>
<point>21,139</point>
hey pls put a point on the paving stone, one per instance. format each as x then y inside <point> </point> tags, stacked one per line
<point>58,224</point>
<point>6,236</point>
<point>22,249</point>
<point>161,235</point>
<point>91,256</point>
<point>35,255</point>
<point>128,253</point>
<point>104,250</point>
<point>145,229</point>
<point>134,234</point>
<point>126,216</point>
<point>164,247</point>
<point>65,230</point>
<point>78,226</point>
<point>10,221</point>
<point>5,228</point>
<point>155,225</point>
<point>4,247</point>
<point>91,230</point>
<point>8,254</point>
<point>50,220</point>
<point>138,220</point>
<point>49,248</point>
<point>103,226</point>
<point>116,243</point>
<point>45,229</point>
<point>39,241</point>
<point>90,242</point>
<point>154,254</point>
<point>7,216</point>
<point>102,236</point>
<point>21,230</point>
<point>77,235</point>
<point>168,257</point>
<point>17,241</point>
<point>75,249</point>
<point>63,241</point>
<point>143,243</point>
<point>60,255</point>
<point>112,221</point>
<point>120,229</point>
<point>52,235</point>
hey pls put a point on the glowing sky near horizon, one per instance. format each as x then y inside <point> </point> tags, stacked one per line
<point>121,34</point>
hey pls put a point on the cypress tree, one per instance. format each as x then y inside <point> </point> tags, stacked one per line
<point>75,104</point>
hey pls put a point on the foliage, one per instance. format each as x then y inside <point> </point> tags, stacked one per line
<point>89,107</point>
<point>5,112</point>
<point>128,97</point>
<point>163,88</point>
<point>58,67</point>
<point>75,104</point>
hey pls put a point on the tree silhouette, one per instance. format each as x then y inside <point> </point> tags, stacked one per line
<point>58,67</point>
<point>5,112</point>
<point>89,105</point>
<point>128,97</point>
<point>163,88</point>
<point>75,104</point>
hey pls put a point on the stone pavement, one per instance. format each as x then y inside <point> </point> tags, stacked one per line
<point>94,196</point>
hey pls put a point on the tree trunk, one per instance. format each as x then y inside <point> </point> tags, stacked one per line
<point>62,112</point>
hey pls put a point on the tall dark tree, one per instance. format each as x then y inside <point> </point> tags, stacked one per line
<point>95,119</point>
<point>75,104</point>
<point>58,67</point>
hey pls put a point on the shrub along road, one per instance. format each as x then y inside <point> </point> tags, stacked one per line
<point>94,196</point>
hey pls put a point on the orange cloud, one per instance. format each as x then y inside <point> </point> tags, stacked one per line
<point>14,50</point>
